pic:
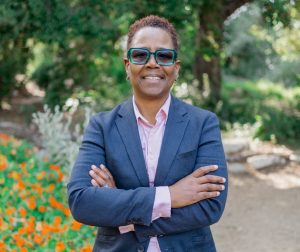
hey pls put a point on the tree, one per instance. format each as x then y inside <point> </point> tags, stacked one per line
<point>209,37</point>
<point>81,39</point>
<point>208,17</point>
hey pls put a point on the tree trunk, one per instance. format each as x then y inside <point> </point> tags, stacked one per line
<point>209,40</point>
<point>209,46</point>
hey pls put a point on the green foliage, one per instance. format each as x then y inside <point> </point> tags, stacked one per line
<point>278,124</point>
<point>33,203</point>
<point>273,107</point>
<point>254,49</point>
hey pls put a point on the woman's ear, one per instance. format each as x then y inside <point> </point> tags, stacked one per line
<point>177,66</point>
<point>126,64</point>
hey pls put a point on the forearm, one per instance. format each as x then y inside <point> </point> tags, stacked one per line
<point>104,206</point>
<point>201,214</point>
<point>110,207</point>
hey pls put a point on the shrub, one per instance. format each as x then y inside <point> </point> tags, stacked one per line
<point>60,144</point>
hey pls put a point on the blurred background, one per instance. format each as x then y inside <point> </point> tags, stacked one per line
<point>61,61</point>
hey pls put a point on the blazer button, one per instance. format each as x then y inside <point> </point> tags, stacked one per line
<point>159,236</point>
<point>140,249</point>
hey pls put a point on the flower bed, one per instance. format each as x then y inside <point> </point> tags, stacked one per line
<point>34,215</point>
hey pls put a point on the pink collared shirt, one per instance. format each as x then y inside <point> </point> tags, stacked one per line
<point>151,138</point>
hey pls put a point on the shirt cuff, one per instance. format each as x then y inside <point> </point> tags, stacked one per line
<point>162,203</point>
<point>126,229</point>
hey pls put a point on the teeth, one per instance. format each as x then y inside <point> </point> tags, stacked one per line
<point>152,78</point>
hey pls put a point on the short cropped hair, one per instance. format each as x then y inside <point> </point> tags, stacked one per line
<point>152,21</point>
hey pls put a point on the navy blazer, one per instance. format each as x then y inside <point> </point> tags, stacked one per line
<point>191,140</point>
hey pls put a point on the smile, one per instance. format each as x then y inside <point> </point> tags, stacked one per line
<point>152,78</point>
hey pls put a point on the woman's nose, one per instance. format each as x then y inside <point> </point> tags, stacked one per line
<point>152,62</point>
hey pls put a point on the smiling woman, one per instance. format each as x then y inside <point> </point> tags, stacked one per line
<point>152,80</point>
<point>151,173</point>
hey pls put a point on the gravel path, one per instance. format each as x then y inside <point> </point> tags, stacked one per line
<point>262,213</point>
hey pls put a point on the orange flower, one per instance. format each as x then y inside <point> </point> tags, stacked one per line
<point>60,176</point>
<point>3,162</point>
<point>38,239</point>
<point>10,210</point>
<point>87,248</point>
<point>42,209</point>
<point>57,221</point>
<point>55,204</point>
<point>41,175</point>
<point>15,175</point>
<point>60,246</point>
<point>52,201</point>
<point>31,203</point>
<point>54,167</point>
<point>46,229</point>
<point>22,230</point>
<point>21,185</point>
<point>22,211</point>
<point>1,221</point>
<point>51,187</point>
<point>30,228</point>
<point>23,250</point>
<point>2,246</point>
<point>38,188</point>
<point>76,225</point>
<point>67,211</point>
<point>19,240</point>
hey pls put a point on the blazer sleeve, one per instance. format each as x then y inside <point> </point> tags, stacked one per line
<point>205,212</point>
<point>106,207</point>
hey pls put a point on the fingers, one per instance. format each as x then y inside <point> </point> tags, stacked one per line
<point>211,188</point>
<point>201,173</point>
<point>204,170</point>
<point>101,177</point>
<point>96,179</point>
<point>211,179</point>
<point>207,195</point>
<point>106,171</point>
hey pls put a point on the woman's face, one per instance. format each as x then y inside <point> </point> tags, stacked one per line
<point>151,81</point>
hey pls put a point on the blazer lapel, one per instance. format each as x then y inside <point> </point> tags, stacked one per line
<point>128,129</point>
<point>174,132</point>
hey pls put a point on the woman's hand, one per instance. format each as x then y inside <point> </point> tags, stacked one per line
<point>196,187</point>
<point>101,177</point>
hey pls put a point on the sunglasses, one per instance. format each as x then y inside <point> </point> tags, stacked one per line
<point>163,57</point>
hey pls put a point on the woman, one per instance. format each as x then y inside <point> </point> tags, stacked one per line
<point>151,173</point>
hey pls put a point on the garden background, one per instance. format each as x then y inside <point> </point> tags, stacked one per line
<point>240,59</point>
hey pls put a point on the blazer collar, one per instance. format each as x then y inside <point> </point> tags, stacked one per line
<point>174,132</point>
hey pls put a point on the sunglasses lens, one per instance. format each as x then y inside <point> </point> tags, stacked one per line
<point>139,56</point>
<point>165,57</point>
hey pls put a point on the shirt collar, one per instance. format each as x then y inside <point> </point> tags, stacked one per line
<point>164,110</point>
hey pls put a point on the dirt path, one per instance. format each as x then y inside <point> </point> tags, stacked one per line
<point>261,215</point>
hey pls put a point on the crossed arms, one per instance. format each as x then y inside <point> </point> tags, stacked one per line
<point>194,199</point>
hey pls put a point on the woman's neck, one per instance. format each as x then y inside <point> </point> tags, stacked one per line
<point>149,108</point>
